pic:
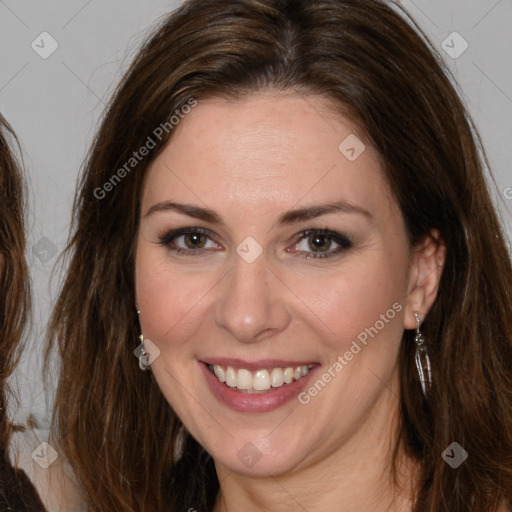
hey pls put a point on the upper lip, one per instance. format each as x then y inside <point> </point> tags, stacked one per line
<point>255,365</point>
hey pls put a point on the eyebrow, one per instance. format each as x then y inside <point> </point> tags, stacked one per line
<point>287,218</point>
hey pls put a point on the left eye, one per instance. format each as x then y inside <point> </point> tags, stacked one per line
<point>322,243</point>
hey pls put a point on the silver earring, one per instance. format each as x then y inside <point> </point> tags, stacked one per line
<point>422,359</point>
<point>141,353</point>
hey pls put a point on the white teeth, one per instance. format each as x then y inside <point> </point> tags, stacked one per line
<point>260,380</point>
<point>219,372</point>
<point>288,375</point>
<point>231,377</point>
<point>277,378</point>
<point>244,379</point>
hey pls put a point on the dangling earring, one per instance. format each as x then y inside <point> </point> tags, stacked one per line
<point>141,353</point>
<point>422,359</point>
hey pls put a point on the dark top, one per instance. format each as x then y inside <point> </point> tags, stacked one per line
<point>17,494</point>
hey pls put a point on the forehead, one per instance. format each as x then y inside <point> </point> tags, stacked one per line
<point>266,151</point>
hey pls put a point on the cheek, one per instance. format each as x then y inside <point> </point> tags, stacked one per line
<point>170,300</point>
<point>364,295</point>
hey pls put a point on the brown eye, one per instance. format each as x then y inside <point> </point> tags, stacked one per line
<point>189,241</point>
<point>319,243</point>
<point>195,240</point>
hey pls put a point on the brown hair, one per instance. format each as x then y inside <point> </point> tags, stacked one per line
<point>14,280</point>
<point>16,490</point>
<point>113,423</point>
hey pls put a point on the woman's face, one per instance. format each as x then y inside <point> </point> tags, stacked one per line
<point>267,251</point>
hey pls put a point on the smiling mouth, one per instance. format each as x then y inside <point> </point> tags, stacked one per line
<point>259,381</point>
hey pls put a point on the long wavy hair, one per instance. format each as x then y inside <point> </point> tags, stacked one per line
<point>16,490</point>
<point>374,65</point>
<point>14,278</point>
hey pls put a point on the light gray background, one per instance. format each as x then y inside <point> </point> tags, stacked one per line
<point>54,105</point>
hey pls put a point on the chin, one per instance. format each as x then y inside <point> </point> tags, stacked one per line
<point>258,455</point>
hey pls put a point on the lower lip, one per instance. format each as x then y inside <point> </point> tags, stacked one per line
<point>254,402</point>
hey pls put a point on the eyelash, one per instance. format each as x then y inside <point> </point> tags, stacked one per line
<point>344,242</point>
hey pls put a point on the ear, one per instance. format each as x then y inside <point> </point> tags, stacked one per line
<point>426,267</point>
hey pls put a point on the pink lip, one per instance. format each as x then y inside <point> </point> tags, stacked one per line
<point>254,365</point>
<point>246,402</point>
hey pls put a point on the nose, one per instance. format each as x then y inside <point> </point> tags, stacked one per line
<point>251,302</point>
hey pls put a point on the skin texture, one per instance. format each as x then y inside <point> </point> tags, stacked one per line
<point>251,160</point>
